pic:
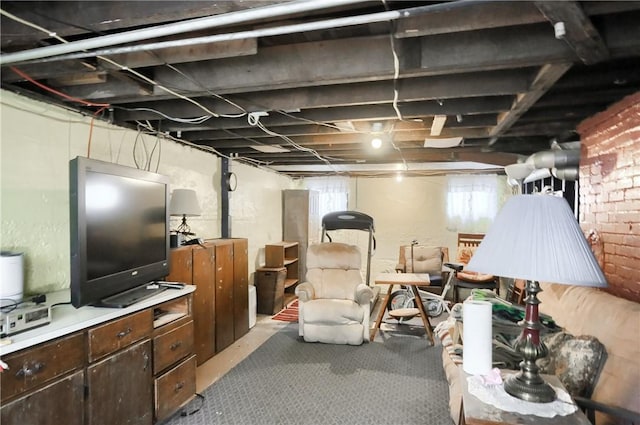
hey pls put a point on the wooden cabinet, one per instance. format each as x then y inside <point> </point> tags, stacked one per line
<point>196,265</point>
<point>219,270</point>
<point>232,290</point>
<point>301,222</point>
<point>136,369</point>
<point>46,383</point>
<point>240,287</point>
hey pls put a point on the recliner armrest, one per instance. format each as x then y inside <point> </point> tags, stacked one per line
<point>305,291</point>
<point>364,294</point>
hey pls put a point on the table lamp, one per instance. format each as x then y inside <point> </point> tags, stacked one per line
<point>536,238</point>
<point>184,202</point>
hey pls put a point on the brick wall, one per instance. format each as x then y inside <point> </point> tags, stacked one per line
<point>610,192</point>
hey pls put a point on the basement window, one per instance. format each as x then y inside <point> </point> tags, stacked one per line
<point>472,202</point>
<point>333,194</point>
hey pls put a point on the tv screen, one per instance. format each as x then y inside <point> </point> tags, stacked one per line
<point>119,229</point>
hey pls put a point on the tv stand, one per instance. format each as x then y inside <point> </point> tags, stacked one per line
<point>131,296</point>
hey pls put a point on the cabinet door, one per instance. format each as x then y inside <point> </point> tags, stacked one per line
<point>120,388</point>
<point>181,265</point>
<point>204,299</point>
<point>224,294</point>
<point>61,402</point>
<point>240,288</point>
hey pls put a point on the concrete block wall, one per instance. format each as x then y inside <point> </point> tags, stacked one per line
<point>610,192</point>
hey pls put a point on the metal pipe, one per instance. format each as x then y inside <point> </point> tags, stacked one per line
<point>174,28</point>
<point>554,158</point>
<point>570,173</point>
<point>241,35</point>
<point>66,51</point>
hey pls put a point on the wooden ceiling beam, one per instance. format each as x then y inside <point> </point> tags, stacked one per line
<point>547,76</point>
<point>572,25</point>
<point>471,18</point>
<point>371,58</point>
<point>409,89</point>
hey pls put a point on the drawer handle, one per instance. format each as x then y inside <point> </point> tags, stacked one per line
<point>176,345</point>
<point>179,386</point>
<point>124,333</point>
<point>28,371</point>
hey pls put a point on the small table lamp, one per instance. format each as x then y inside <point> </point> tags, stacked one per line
<point>537,238</point>
<point>184,202</point>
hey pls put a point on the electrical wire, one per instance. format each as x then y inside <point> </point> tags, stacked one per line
<point>54,91</point>
<point>197,120</point>
<point>396,64</point>
<point>252,118</point>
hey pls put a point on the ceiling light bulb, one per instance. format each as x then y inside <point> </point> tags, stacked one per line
<point>399,177</point>
<point>376,143</point>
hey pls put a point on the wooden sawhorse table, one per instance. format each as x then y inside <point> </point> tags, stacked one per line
<point>412,280</point>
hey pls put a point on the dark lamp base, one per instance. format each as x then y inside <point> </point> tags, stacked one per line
<point>534,390</point>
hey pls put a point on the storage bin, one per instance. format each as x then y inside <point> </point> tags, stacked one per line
<point>270,289</point>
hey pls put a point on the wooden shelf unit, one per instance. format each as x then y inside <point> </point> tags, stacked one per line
<point>284,254</point>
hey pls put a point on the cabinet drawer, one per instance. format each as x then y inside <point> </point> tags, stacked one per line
<point>172,346</point>
<point>113,336</point>
<point>175,388</point>
<point>32,367</point>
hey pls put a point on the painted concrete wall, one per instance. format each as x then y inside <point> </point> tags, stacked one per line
<point>414,208</point>
<point>38,140</point>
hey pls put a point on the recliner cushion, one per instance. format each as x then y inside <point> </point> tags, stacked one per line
<point>332,311</point>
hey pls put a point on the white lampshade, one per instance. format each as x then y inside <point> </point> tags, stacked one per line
<point>537,238</point>
<point>184,202</point>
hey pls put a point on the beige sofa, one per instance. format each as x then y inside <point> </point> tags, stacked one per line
<point>614,321</point>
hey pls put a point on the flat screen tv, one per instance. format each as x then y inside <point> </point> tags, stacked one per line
<point>119,231</point>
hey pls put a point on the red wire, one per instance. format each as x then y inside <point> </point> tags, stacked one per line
<point>66,96</point>
<point>91,130</point>
<point>54,91</point>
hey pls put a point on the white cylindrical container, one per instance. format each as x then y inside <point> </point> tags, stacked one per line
<point>476,355</point>
<point>253,305</point>
<point>11,276</point>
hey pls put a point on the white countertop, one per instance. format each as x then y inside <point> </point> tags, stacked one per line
<point>66,319</point>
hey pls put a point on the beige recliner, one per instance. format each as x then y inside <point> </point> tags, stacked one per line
<point>335,302</point>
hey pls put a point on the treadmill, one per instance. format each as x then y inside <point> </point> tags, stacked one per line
<point>355,220</point>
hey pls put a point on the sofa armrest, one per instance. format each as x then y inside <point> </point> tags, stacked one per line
<point>305,292</point>
<point>591,406</point>
<point>364,294</point>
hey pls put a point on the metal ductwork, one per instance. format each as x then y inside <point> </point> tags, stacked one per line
<point>555,159</point>
<point>569,173</point>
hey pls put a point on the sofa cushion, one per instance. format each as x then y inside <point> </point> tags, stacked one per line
<point>575,360</point>
<point>614,321</point>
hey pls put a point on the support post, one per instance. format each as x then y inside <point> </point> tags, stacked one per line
<point>225,221</point>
